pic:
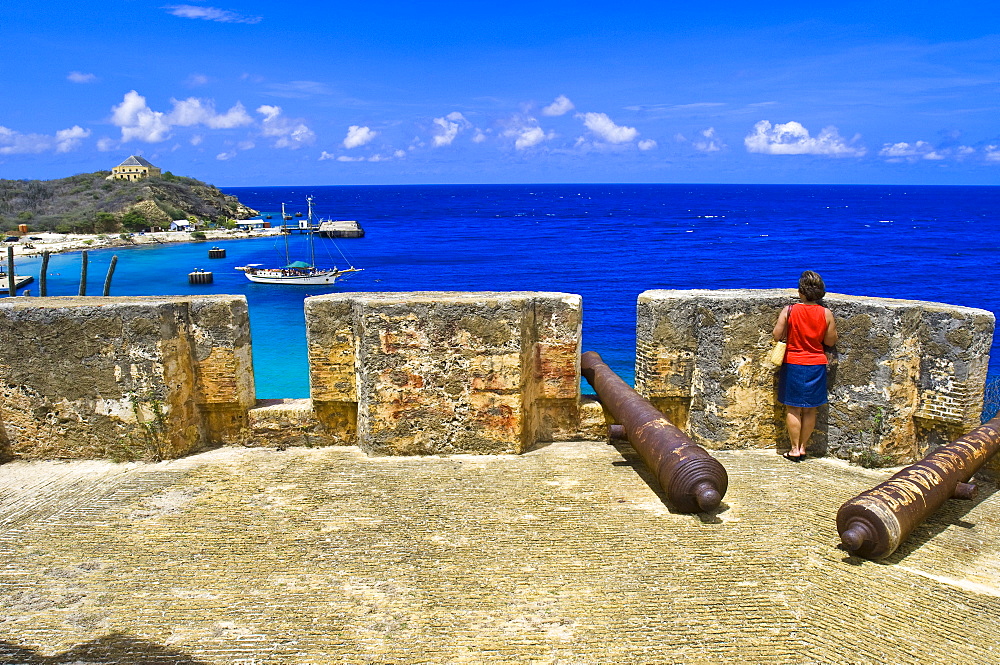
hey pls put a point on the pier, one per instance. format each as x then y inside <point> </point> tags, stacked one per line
<point>20,281</point>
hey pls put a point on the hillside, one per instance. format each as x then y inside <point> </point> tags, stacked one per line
<point>87,203</point>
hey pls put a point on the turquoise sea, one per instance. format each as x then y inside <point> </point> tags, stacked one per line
<point>606,242</point>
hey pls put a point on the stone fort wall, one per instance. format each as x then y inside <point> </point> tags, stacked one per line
<point>441,373</point>
<point>905,375</point>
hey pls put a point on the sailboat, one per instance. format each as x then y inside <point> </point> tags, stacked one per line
<point>296,272</point>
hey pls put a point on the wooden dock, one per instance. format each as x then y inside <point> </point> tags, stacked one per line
<point>20,281</point>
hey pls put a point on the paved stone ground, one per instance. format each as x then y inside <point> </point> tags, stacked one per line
<point>561,555</point>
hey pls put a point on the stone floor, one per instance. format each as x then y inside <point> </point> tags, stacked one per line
<point>561,555</point>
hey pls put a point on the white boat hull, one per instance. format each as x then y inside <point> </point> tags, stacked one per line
<point>279,276</point>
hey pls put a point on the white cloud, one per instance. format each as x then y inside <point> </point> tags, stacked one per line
<point>791,138</point>
<point>992,153</point>
<point>15,143</point>
<point>211,14</point>
<point>197,80</point>
<point>194,111</point>
<point>479,136</point>
<point>289,133</point>
<point>104,144</point>
<point>525,131</point>
<point>398,154</point>
<point>674,107</point>
<point>81,77</point>
<point>560,106</point>
<point>358,136</point>
<point>138,121</point>
<point>197,139</point>
<point>601,125</point>
<point>646,144</point>
<point>528,137</point>
<point>448,127</point>
<point>233,151</point>
<point>300,89</point>
<point>912,152</point>
<point>69,139</point>
<point>710,141</point>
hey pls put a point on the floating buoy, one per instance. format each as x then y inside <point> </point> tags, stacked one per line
<point>216,253</point>
<point>200,277</point>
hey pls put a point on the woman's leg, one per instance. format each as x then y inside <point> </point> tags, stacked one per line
<point>793,420</point>
<point>807,420</point>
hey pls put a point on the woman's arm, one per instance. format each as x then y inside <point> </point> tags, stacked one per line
<point>830,338</point>
<point>781,326</point>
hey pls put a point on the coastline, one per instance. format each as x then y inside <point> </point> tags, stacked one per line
<point>56,243</point>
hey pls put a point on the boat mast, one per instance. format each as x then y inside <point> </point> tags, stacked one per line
<point>312,245</point>
<point>284,232</point>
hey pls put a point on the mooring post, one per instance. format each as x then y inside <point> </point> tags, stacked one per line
<point>11,282</point>
<point>111,271</point>
<point>43,275</point>
<point>83,274</point>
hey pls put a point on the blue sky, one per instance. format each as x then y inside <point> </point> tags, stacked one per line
<point>268,93</point>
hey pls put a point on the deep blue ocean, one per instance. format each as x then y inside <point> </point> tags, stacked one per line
<point>606,242</point>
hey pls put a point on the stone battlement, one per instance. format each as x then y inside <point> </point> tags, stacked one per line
<point>905,376</point>
<point>455,372</point>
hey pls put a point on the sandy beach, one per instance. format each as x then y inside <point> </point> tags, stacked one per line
<point>35,244</point>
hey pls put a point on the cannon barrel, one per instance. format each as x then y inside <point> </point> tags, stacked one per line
<point>874,523</point>
<point>693,480</point>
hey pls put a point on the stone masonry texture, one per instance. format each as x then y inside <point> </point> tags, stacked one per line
<point>563,555</point>
<point>123,378</point>
<point>905,376</point>
<point>445,372</point>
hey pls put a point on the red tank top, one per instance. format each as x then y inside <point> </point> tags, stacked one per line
<point>806,330</point>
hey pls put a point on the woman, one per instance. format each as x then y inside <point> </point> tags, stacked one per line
<point>807,327</point>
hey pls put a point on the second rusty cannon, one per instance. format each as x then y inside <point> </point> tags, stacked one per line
<point>692,479</point>
<point>874,523</point>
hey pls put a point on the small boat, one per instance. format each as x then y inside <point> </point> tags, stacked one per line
<point>296,272</point>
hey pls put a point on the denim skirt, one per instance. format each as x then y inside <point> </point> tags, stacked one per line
<point>802,385</point>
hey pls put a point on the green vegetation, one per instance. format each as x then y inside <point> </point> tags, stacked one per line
<point>88,203</point>
<point>871,458</point>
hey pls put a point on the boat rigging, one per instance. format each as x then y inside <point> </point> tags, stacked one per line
<point>297,272</point>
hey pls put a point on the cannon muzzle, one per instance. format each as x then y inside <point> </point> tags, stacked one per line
<point>693,480</point>
<point>874,523</point>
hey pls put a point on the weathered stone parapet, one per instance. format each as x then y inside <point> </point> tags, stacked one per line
<point>124,378</point>
<point>445,372</point>
<point>906,375</point>
<point>280,423</point>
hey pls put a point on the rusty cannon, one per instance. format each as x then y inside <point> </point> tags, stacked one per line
<point>693,480</point>
<point>874,523</point>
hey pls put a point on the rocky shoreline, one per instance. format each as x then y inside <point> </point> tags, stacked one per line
<point>55,243</point>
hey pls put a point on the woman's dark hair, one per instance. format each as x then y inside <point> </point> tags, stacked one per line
<point>811,286</point>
